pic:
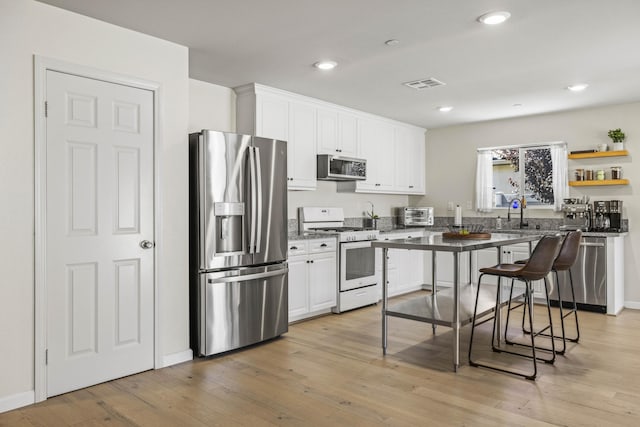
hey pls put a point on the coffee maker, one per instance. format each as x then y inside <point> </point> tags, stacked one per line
<point>607,215</point>
<point>615,215</point>
<point>577,215</point>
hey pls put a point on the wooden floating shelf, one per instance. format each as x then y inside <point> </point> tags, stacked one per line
<point>619,153</point>
<point>599,182</point>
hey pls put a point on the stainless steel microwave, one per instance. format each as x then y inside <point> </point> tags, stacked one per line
<point>339,168</point>
<point>415,216</point>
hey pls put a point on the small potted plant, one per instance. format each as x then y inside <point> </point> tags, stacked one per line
<point>371,219</point>
<point>617,136</point>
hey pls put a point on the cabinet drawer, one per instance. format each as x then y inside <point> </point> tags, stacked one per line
<point>359,297</point>
<point>297,247</point>
<point>324,245</point>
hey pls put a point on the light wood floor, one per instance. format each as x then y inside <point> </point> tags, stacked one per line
<point>330,371</point>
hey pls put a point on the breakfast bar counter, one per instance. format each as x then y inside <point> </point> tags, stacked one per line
<point>449,307</point>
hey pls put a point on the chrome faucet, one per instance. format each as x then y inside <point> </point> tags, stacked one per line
<point>518,203</point>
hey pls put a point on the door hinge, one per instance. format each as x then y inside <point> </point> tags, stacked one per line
<point>46,109</point>
<point>46,357</point>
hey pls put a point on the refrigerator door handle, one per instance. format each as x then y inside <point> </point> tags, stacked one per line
<point>246,277</point>
<point>259,197</point>
<point>252,171</point>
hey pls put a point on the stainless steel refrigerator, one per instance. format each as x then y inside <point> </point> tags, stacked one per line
<point>238,240</point>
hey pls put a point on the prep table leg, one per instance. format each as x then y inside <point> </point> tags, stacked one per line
<point>456,311</point>
<point>499,297</point>
<point>385,253</point>
<point>434,276</point>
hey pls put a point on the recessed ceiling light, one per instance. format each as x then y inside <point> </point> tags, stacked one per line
<point>392,42</point>
<point>494,18</point>
<point>445,109</point>
<point>325,65</point>
<point>578,87</point>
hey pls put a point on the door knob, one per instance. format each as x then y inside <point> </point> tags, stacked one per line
<point>146,244</point>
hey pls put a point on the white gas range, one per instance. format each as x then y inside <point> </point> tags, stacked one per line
<point>358,284</point>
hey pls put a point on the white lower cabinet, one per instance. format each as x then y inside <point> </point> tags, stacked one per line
<point>312,277</point>
<point>405,268</point>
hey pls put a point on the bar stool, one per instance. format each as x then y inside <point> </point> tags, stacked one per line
<point>536,268</point>
<point>564,261</point>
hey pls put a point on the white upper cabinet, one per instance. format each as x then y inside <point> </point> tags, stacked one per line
<point>272,117</point>
<point>328,131</point>
<point>394,151</point>
<point>375,144</point>
<point>301,148</point>
<point>348,134</point>
<point>337,132</point>
<point>395,158</point>
<point>267,113</point>
<point>410,161</point>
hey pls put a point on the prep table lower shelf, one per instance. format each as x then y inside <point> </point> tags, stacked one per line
<point>438,309</point>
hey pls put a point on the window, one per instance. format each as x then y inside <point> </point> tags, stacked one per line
<point>536,172</point>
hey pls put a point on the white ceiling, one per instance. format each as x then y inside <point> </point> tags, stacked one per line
<point>529,60</point>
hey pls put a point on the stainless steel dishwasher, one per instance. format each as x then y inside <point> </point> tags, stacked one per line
<point>589,277</point>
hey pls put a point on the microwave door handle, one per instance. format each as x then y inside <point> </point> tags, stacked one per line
<point>252,173</point>
<point>256,160</point>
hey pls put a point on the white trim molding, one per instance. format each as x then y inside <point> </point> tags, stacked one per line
<point>18,400</point>
<point>175,358</point>
<point>41,66</point>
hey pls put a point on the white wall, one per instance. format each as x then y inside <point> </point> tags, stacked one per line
<point>451,164</point>
<point>211,107</point>
<point>27,28</point>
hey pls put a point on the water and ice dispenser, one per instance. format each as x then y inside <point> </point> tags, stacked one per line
<point>229,220</point>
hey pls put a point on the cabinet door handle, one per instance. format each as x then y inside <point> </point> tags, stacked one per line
<point>293,248</point>
<point>324,245</point>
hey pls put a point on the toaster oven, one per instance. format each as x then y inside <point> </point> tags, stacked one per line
<point>415,217</point>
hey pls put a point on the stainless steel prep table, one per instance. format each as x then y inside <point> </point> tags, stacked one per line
<point>450,307</point>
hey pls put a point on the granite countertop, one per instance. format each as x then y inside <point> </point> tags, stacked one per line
<point>398,229</point>
<point>306,236</point>
<point>505,230</point>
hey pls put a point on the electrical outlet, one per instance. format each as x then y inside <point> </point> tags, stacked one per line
<point>450,206</point>
<point>469,205</point>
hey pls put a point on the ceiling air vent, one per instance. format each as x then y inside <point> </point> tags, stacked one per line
<point>424,83</point>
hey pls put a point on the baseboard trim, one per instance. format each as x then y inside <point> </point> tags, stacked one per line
<point>633,305</point>
<point>16,401</point>
<point>175,358</point>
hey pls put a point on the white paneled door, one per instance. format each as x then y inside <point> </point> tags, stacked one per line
<point>99,231</point>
